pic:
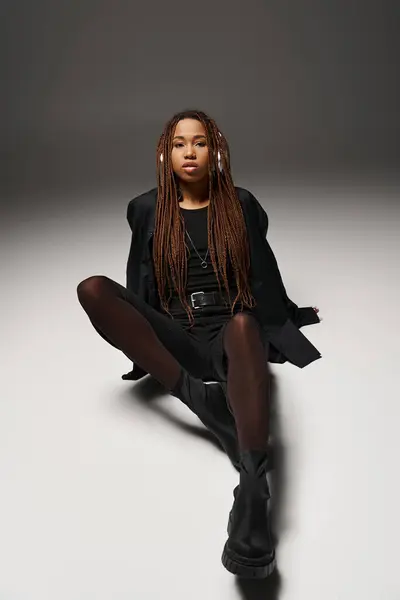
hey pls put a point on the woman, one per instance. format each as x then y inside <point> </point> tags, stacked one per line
<point>196,309</point>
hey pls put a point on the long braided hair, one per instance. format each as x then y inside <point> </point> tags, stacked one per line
<point>227,234</point>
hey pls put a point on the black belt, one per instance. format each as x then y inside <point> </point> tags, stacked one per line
<point>200,299</point>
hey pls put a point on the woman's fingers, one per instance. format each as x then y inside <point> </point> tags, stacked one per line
<point>317,311</point>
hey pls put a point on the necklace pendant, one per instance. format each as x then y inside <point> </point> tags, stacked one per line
<point>204,264</point>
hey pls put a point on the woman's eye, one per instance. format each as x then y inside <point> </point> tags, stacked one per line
<point>198,143</point>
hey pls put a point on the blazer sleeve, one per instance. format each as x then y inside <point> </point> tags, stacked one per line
<point>135,250</point>
<point>300,316</point>
<point>133,270</point>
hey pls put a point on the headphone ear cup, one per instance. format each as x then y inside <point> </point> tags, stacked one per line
<point>219,162</point>
<point>220,167</point>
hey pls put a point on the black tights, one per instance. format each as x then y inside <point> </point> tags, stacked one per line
<point>247,377</point>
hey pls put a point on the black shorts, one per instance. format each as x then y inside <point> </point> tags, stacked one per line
<point>199,350</point>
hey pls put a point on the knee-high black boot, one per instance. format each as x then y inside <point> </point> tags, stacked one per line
<point>209,403</point>
<point>249,550</point>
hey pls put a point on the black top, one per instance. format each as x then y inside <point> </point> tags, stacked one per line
<point>199,278</point>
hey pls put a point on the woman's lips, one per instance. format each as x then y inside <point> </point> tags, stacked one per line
<point>190,169</point>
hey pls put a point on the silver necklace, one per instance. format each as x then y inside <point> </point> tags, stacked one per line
<point>203,263</point>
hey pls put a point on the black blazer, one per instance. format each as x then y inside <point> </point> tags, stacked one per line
<point>280,317</point>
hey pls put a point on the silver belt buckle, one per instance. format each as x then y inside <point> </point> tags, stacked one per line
<point>191,298</point>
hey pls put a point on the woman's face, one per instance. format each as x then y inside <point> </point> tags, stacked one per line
<point>189,146</point>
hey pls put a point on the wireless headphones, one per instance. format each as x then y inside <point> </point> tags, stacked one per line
<point>220,167</point>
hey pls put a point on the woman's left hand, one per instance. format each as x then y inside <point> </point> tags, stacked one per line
<point>317,311</point>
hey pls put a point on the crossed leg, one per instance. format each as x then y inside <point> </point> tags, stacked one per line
<point>109,309</point>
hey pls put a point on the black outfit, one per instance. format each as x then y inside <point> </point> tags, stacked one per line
<point>199,350</point>
<point>249,550</point>
<point>207,331</point>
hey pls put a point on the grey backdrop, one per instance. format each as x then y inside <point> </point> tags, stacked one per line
<point>111,489</point>
<point>294,85</point>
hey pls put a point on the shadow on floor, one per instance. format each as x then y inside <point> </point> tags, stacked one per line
<point>148,390</point>
<point>263,589</point>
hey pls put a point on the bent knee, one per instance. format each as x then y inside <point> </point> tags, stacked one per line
<point>243,321</point>
<point>243,326</point>
<point>92,286</point>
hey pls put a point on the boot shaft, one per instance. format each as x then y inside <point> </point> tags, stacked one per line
<point>253,468</point>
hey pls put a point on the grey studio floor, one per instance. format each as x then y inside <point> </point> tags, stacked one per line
<point>114,490</point>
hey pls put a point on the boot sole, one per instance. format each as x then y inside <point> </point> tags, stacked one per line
<point>238,568</point>
<point>243,567</point>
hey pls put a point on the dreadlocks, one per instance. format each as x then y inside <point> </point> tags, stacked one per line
<point>227,233</point>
